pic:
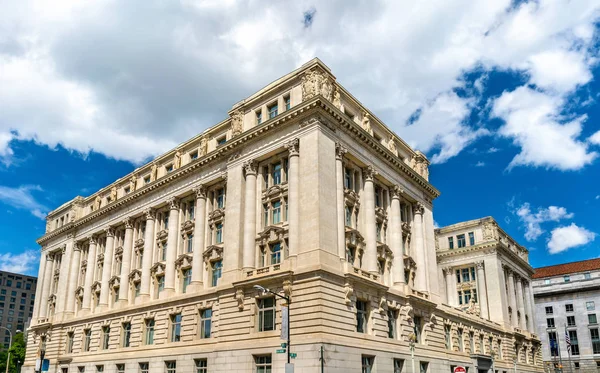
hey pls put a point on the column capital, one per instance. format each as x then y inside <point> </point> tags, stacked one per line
<point>479,264</point>
<point>340,150</point>
<point>92,239</point>
<point>200,191</point>
<point>50,257</point>
<point>77,246</point>
<point>448,271</point>
<point>128,221</point>
<point>396,192</point>
<point>150,214</point>
<point>418,208</point>
<point>250,167</point>
<point>110,232</point>
<point>173,203</point>
<point>293,147</point>
<point>369,173</point>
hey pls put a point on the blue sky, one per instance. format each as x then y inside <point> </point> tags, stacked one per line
<point>501,95</point>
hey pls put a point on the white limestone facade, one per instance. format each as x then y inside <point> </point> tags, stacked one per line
<point>301,190</point>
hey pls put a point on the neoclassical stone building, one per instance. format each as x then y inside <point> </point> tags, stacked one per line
<point>301,190</point>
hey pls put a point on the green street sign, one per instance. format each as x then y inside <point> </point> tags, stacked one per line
<point>281,351</point>
<point>283,345</point>
<point>293,355</point>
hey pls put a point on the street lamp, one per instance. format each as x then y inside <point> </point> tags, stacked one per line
<point>288,301</point>
<point>9,345</point>
<point>412,338</point>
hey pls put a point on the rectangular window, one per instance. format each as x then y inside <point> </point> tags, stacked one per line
<point>447,337</point>
<point>276,173</point>
<point>80,369</point>
<point>347,178</point>
<point>272,111</point>
<point>275,253</point>
<point>571,321</point>
<point>550,322</point>
<point>587,276</point>
<point>471,238</point>
<point>147,180</point>
<point>170,367</point>
<point>205,323</point>
<point>460,240</point>
<point>595,337</point>
<point>276,212</point>
<point>219,233</point>
<point>461,342</point>
<point>169,168</point>
<point>161,284</point>
<point>194,155</point>
<point>567,278</point>
<point>217,266</point>
<point>259,117</point>
<point>574,342</point>
<point>99,368</point>
<point>190,243</point>
<point>266,314</point>
<point>398,365</point>
<point>549,310</point>
<point>149,332</point>
<point>392,320</point>
<point>187,279</point>
<point>87,338</point>
<point>590,306</point>
<point>592,318</point>
<point>362,316</point>
<point>201,365</point>
<point>569,307</point>
<point>367,364</point>
<point>221,140</point>
<point>465,275</point>
<point>553,344</point>
<point>144,367</point>
<point>348,217</point>
<point>547,281</point>
<point>451,242</point>
<point>220,198</point>
<point>120,368</point>
<point>288,102</point>
<point>417,327</point>
<point>458,276</point>
<point>424,367</point>
<point>176,327</point>
<point>263,364</point>
<point>105,337</point>
<point>126,333</point>
<point>70,342</point>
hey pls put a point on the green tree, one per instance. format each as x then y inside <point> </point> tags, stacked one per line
<point>17,353</point>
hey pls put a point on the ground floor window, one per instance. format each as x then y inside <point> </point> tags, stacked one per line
<point>367,364</point>
<point>263,363</point>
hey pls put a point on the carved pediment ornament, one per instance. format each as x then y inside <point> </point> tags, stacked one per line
<point>337,101</point>
<point>135,275</point>
<point>212,253</point>
<point>237,122</point>
<point>119,251</point>
<point>353,237</point>
<point>216,214</point>
<point>114,281</point>
<point>96,286</point>
<point>157,269</point>
<point>489,231</point>
<point>162,235</point>
<point>139,243</point>
<point>79,292</point>
<point>183,261</point>
<point>316,82</point>
<point>187,226</point>
<point>270,234</point>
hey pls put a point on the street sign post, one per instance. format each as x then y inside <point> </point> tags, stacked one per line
<point>293,355</point>
<point>280,351</point>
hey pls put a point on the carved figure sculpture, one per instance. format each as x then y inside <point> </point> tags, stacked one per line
<point>203,146</point>
<point>237,123</point>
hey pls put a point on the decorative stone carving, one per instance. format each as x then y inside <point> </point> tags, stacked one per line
<point>348,293</point>
<point>392,145</point>
<point>366,122</point>
<point>293,147</point>
<point>316,82</point>
<point>110,232</point>
<point>203,149</point>
<point>473,308</point>
<point>420,164</point>
<point>448,271</point>
<point>153,171</point>
<point>397,191</point>
<point>173,203</point>
<point>479,264</point>
<point>97,203</point>
<point>150,214</point>
<point>418,208</point>
<point>132,183</point>
<point>237,123</point>
<point>382,304</point>
<point>177,160</point>
<point>337,101</point>
<point>250,167</point>
<point>239,297</point>
<point>340,150</point>
<point>113,194</point>
<point>128,223</point>
<point>287,288</point>
<point>369,173</point>
<point>200,191</point>
<point>489,231</point>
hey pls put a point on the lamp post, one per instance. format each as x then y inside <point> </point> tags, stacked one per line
<point>9,345</point>
<point>412,338</point>
<point>288,301</point>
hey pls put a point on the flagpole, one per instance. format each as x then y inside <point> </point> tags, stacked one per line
<point>569,350</point>
<point>559,354</point>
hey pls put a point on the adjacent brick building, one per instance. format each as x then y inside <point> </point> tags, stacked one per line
<point>17,297</point>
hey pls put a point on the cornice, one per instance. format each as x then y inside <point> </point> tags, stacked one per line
<point>490,245</point>
<point>225,151</point>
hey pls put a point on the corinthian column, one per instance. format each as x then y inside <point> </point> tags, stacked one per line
<point>418,247</point>
<point>521,304</point>
<point>529,308</point>
<point>396,226</point>
<point>89,276</point>
<point>171,248</point>
<point>250,168</point>
<point>61,296</point>
<point>147,255</point>
<point>73,274</point>
<point>450,288</point>
<point>482,291</point>
<point>126,263</point>
<point>199,234</point>
<point>511,297</point>
<point>341,212</point>
<point>107,269</point>
<point>46,284</point>
<point>38,288</point>
<point>293,199</point>
<point>370,222</point>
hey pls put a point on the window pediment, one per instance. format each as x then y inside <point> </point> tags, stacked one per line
<point>352,196</point>
<point>353,237</point>
<point>275,191</point>
<point>187,227</point>
<point>114,281</point>
<point>119,250</point>
<point>100,259</point>
<point>135,275</point>
<point>162,235</point>
<point>96,286</point>
<point>158,269</point>
<point>83,266</point>
<point>79,292</point>
<point>384,252</point>
<point>217,214</point>
<point>213,252</point>
<point>139,243</point>
<point>271,233</point>
<point>183,261</point>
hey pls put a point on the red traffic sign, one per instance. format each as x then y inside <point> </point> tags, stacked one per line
<point>460,370</point>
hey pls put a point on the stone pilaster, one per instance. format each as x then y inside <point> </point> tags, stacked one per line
<point>370,256</point>
<point>46,287</point>
<point>147,255</point>
<point>396,238</point>
<point>38,288</point>
<point>293,196</point>
<point>107,269</point>
<point>250,169</point>
<point>521,304</point>
<point>89,276</point>
<point>340,208</point>
<point>171,248</point>
<point>199,244</point>
<point>511,297</point>
<point>450,288</point>
<point>482,291</point>
<point>126,263</point>
<point>63,279</point>
<point>529,308</point>
<point>418,248</point>
<point>73,274</point>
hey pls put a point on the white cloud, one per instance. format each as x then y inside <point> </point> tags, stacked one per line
<point>137,77</point>
<point>19,263</point>
<point>480,164</point>
<point>564,238</point>
<point>493,150</point>
<point>533,220</point>
<point>595,138</point>
<point>21,198</point>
